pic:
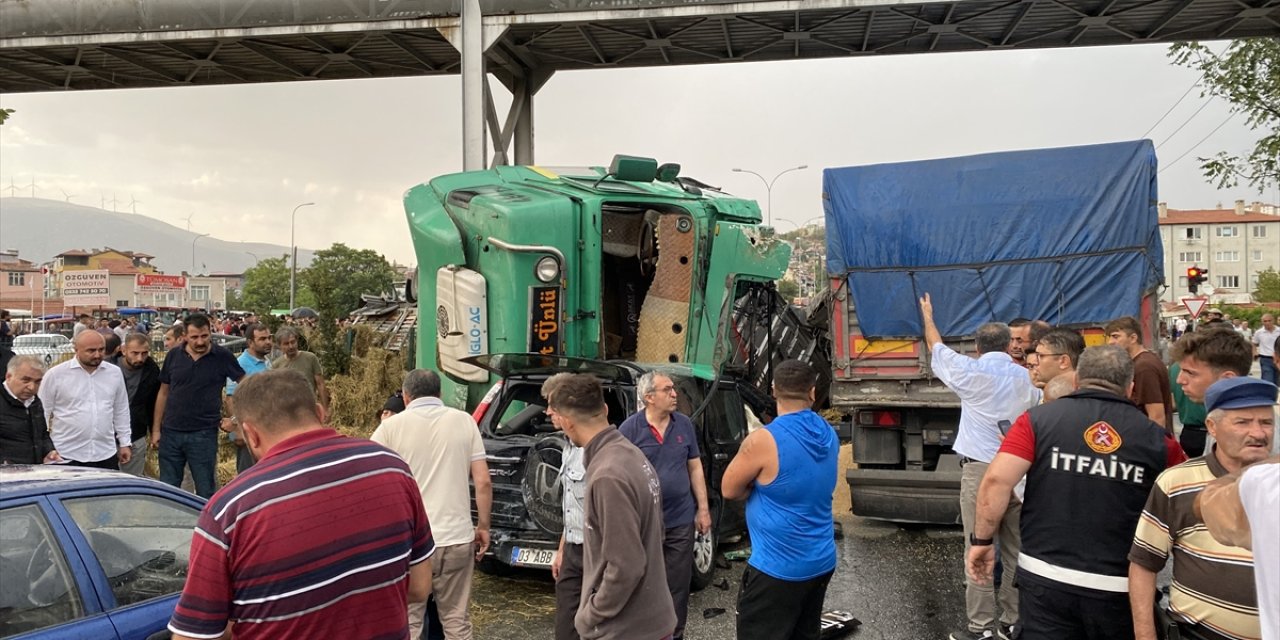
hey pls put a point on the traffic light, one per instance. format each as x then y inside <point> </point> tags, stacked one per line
<point>1195,277</point>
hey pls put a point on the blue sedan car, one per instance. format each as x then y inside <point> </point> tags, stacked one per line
<point>90,554</point>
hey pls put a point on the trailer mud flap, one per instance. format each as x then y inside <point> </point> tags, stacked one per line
<point>931,497</point>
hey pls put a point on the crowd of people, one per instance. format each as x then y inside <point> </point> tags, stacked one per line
<point>112,401</point>
<point>1076,487</point>
<point>1074,484</point>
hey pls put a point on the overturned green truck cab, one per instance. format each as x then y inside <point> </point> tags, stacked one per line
<point>628,262</point>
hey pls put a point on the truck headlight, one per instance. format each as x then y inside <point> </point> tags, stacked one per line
<point>547,269</point>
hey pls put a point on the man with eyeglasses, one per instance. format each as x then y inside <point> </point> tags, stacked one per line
<point>667,439</point>
<point>1056,354</point>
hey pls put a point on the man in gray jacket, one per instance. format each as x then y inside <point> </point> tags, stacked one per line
<point>624,581</point>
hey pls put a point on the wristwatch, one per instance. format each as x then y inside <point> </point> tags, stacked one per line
<point>975,541</point>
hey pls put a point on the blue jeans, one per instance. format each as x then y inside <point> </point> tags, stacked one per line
<point>1268,369</point>
<point>195,449</point>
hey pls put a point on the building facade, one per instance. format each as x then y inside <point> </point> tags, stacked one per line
<point>1233,245</point>
<point>21,282</point>
<point>201,292</point>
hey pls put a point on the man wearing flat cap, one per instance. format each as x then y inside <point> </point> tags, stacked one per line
<point>1213,594</point>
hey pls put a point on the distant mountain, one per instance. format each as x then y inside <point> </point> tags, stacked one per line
<point>40,229</point>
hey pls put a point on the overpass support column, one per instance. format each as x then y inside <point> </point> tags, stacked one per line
<point>515,140</point>
<point>473,89</point>
<point>472,39</point>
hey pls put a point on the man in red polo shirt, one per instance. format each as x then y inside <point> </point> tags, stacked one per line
<point>326,537</point>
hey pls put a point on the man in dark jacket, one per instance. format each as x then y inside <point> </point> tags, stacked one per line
<point>24,437</point>
<point>624,581</point>
<point>142,381</point>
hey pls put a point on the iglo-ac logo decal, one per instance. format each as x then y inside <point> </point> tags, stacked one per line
<point>1102,438</point>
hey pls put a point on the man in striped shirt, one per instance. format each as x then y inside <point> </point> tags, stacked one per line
<point>326,537</point>
<point>1213,594</point>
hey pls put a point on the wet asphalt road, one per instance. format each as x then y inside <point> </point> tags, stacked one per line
<point>902,583</point>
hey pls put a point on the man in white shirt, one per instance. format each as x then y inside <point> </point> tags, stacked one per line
<point>1239,509</point>
<point>86,406</point>
<point>1264,347</point>
<point>992,388</point>
<point>443,449</point>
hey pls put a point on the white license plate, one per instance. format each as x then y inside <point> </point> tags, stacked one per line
<point>526,557</point>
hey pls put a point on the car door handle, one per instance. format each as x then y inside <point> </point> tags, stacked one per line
<point>161,635</point>
<point>720,457</point>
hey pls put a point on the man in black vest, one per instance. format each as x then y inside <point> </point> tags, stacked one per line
<point>1090,459</point>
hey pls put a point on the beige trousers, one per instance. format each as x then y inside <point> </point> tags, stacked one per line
<point>980,600</point>
<point>451,569</point>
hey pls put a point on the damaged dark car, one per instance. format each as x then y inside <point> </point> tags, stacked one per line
<point>525,450</point>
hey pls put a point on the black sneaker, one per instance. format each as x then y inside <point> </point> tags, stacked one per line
<point>1008,632</point>
<point>965,634</point>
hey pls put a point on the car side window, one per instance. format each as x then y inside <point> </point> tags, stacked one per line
<point>36,588</point>
<point>689,395</point>
<point>141,541</point>
<point>725,416</point>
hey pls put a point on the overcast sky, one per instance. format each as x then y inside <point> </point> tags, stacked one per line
<point>241,157</point>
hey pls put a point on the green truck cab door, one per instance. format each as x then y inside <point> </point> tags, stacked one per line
<point>741,253</point>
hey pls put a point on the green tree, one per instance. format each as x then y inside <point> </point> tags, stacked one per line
<point>788,289</point>
<point>4,114</point>
<point>1247,75</point>
<point>235,300</point>
<point>337,277</point>
<point>1268,289</point>
<point>266,286</point>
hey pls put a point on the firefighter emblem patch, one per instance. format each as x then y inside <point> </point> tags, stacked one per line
<point>1102,438</point>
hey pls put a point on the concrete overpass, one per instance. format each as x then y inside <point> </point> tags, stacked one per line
<point>58,45</point>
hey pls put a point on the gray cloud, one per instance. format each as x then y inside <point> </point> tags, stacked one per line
<point>241,157</point>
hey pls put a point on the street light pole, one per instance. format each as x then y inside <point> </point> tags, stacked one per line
<point>768,186</point>
<point>193,251</point>
<point>293,255</point>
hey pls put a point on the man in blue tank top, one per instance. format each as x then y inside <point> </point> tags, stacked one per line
<point>787,472</point>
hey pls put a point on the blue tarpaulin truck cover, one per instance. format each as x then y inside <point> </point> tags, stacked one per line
<point>1065,235</point>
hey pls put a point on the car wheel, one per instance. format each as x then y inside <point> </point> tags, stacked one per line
<point>704,555</point>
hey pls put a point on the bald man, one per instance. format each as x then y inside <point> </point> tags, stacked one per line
<point>86,406</point>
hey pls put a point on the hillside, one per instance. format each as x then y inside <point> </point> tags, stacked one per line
<point>40,229</point>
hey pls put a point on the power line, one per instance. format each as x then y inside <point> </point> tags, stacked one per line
<point>1193,147</point>
<point>1175,106</point>
<point>1185,123</point>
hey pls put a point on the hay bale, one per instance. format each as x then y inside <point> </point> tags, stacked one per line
<point>355,398</point>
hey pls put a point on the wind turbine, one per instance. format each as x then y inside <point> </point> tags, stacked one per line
<point>113,201</point>
<point>33,186</point>
<point>69,196</point>
<point>188,219</point>
<point>12,188</point>
<point>133,204</point>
